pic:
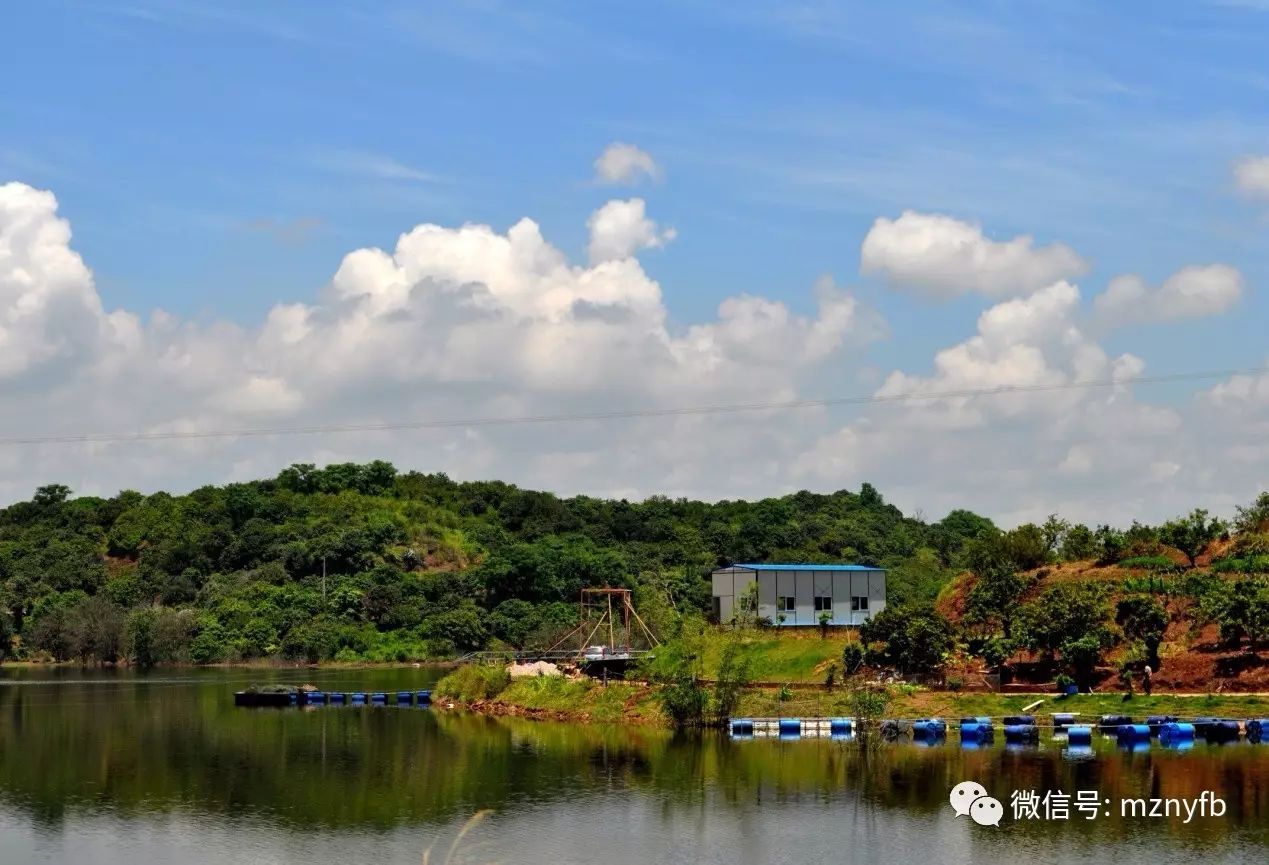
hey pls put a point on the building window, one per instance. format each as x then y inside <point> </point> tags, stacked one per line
<point>859,603</point>
<point>786,604</point>
<point>823,604</point>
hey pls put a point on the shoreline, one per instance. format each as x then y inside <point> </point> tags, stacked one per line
<point>235,665</point>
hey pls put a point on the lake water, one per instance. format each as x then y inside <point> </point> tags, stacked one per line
<point>139,770</point>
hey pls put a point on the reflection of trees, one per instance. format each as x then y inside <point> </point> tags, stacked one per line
<point>133,748</point>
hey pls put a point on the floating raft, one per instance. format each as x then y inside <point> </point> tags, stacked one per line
<point>265,697</point>
<point>277,696</point>
<point>791,728</point>
<point>980,730</point>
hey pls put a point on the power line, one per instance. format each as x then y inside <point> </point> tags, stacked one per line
<point>685,411</point>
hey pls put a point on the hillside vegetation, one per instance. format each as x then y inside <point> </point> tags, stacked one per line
<point>364,563</point>
<point>361,562</point>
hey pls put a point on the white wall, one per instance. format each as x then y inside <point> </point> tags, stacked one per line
<point>730,583</point>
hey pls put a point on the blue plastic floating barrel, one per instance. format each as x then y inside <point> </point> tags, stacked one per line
<point>1201,725</point>
<point>742,726</point>
<point>1132,732</point>
<point>981,719</point>
<point>790,727</point>
<point>1113,721</point>
<point>1257,729</point>
<point>840,726</point>
<point>405,697</point>
<point>359,698</point>
<point>929,728</point>
<point>336,697</point>
<point>1222,731</point>
<point>378,697</point>
<point>1175,733</point>
<point>975,731</point>
<point>1079,734</point>
<point>315,698</point>
<point>1156,722</point>
<point>1016,720</point>
<point>1062,719</point>
<point>422,697</point>
<point>1021,733</point>
<point>295,698</point>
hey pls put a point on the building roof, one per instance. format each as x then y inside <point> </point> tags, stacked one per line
<point>776,566</point>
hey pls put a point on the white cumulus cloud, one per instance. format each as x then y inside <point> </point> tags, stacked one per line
<point>475,321</point>
<point>451,322</point>
<point>1193,292</point>
<point>625,164</point>
<point>1252,176</point>
<point>619,229</point>
<point>943,257</point>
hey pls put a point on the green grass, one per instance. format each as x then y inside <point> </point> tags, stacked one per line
<point>778,658</point>
<point>616,702</point>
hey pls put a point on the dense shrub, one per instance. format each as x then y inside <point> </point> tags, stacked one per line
<point>472,682</point>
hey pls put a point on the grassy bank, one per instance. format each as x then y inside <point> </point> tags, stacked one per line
<point>920,703</point>
<point>489,689</point>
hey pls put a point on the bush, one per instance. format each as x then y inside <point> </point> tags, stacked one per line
<point>732,678</point>
<point>997,650</point>
<point>913,638</point>
<point>1149,563</point>
<point>1253,563</point>
<point>473,682</point>
<point>852,658</point>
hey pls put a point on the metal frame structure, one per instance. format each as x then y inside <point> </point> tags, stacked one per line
<point>602,611</point>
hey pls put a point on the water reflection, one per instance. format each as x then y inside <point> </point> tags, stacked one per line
<point>123,756</point>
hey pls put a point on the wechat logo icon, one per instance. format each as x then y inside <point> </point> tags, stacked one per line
<point>970,798</point>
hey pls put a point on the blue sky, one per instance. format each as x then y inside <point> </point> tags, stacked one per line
<point>216,159</point>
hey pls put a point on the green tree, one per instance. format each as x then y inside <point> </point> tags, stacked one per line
<point>1192,533</point>
<point>1079,543</point>
<point>993,600</point>
<point>913,638</point>
<point>1054,532</point>
<point>1065,612</point>
<point>95,626</point>
<point>1254,517</point>
<point>1082,655</point>
<point>140,627</point>
<point>1145,619</point>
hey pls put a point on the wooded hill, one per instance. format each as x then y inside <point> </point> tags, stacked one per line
<point>362,562</point>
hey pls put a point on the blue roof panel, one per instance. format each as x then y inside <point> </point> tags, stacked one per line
<point>775,566</point>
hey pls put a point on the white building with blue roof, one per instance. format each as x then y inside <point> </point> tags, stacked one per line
<point>799,595</point>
